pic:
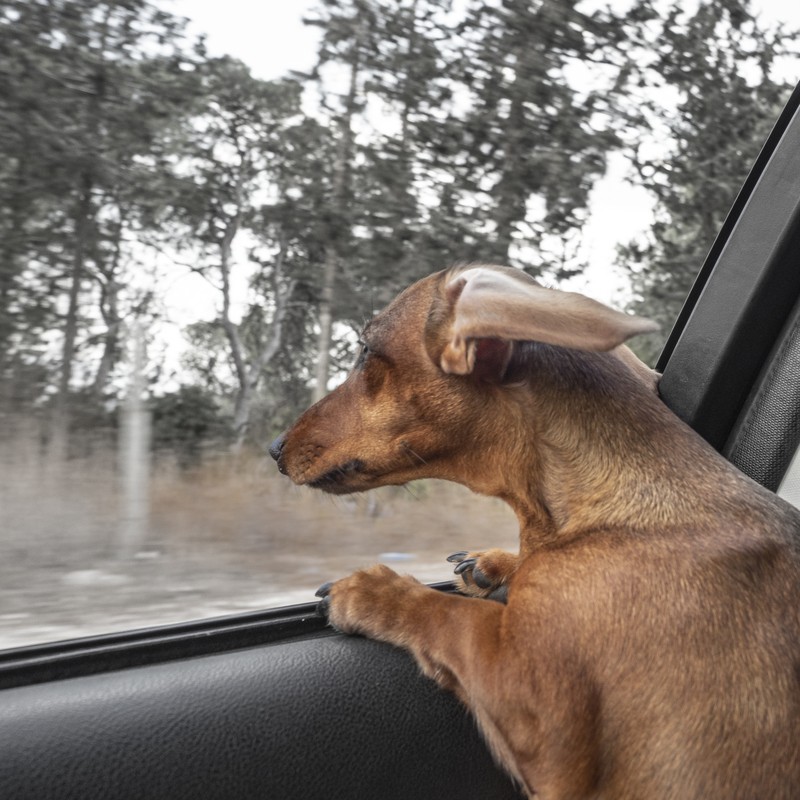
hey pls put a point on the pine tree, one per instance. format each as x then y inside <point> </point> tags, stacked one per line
<point>408,91</point>
<point>349,32</point>
<point>244,163</point>
<point>533,140</point>
<point>694,153</point>
<point>86,88</point>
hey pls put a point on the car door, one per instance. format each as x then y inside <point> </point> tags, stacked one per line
<point>276,705</point>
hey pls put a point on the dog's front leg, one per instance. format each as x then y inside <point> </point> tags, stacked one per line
<point>447,634</point>
<point>533,716</point>
<point>456,640</point>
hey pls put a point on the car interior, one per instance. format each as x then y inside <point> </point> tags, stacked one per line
<point>275,704</point>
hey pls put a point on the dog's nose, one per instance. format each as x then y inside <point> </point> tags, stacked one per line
<point>276,450</point>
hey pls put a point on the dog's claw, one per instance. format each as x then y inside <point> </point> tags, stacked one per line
<point>463,566</point>
<point>324,607</point>
<point>476,581</point>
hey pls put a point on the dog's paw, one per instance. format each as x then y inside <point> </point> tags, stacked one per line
<point>484,574</point>
<point>373,602</point>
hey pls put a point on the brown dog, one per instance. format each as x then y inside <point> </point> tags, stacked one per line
<point>650,645</point>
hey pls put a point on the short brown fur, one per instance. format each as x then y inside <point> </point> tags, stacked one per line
<point>650,644</point>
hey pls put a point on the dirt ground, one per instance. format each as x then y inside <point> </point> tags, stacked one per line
<point>229,537</point>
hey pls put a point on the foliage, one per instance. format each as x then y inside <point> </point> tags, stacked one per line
<point>88,88</point>
<point>718,62</point>
<point>442,132</point>
<point>185,421</point>
<point>533,141</point>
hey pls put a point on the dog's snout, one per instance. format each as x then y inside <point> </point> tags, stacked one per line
<point>276,451</point>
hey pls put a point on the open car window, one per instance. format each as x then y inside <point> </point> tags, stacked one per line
<point>180,235</point>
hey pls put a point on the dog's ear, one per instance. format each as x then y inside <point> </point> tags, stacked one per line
<point>492,307</point>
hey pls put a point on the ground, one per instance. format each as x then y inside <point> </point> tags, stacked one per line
<point>227,537</point>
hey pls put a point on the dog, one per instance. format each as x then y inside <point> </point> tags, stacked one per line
<point>649,645</point>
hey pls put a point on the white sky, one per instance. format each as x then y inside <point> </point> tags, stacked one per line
<point>270,37</point>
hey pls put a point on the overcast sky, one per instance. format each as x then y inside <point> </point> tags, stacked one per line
<point>270,37</point>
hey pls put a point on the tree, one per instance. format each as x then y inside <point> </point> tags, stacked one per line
<point>237,165</point>
<point>456,139</point>
<point>349,31</point>
<point>185,421</point>
<point>533,140</point>
<point>88,87</point>
<point>407,94</point>
<point>694,154</point>
<point>381,70</point>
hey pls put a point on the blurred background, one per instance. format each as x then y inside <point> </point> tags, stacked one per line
<point>201,203</point>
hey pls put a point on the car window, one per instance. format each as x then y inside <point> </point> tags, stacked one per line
<point>202,204</point>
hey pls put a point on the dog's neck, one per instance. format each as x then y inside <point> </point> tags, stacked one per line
<point>595,448</point>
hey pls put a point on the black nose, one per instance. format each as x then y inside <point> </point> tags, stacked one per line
<point>276,449</point>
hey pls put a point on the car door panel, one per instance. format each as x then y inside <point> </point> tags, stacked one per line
<point>312,718</point>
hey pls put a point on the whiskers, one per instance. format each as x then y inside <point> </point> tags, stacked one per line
<point>415,458</point>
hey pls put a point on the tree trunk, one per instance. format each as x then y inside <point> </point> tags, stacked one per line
<point>59,441</point>
<point>59,433</point>
<point>339,199</point>
<point>228,325</point>
<point>324,341</point>
<point>109,309</point>
<point>406,110</point>
<point>244,400</point>
<point>248,377</point>
<point>510,207</point>
<point>108,359</point>
<point>11,253</point>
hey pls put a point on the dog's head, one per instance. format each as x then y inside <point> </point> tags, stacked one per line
<point>427,394</point>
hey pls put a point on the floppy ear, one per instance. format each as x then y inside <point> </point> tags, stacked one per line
<point>500,303</point>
